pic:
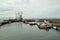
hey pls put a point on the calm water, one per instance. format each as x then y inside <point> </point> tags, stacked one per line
<point>20,31</point>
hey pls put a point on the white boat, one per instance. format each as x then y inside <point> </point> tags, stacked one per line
<point>32,23</point>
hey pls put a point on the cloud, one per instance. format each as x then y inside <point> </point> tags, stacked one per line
<point>31,8</point>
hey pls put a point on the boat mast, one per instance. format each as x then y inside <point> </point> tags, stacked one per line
<point>19,16</point>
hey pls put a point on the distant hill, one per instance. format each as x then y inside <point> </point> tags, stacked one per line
<point>44,18</point>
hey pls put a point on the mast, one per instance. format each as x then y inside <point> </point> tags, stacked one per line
<point>19,16</point>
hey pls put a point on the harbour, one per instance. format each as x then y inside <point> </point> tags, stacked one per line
<point>21,31</point>
<point>29,19</point>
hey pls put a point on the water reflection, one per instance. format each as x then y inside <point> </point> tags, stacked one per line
<point>57,29</point>
<point>0,27</point>
<point>21,26</point>
<point>20,31</point>
<point>47,29</point>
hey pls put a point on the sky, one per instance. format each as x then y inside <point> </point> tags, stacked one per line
<point>30,8</point>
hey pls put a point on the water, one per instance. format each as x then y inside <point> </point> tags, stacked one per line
<point>21,31</point>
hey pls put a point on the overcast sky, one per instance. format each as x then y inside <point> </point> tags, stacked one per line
<point>30,8</point>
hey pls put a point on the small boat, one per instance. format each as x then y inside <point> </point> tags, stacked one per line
<point>32,23</point>
<point>45,25</point>
<point>56,28</point>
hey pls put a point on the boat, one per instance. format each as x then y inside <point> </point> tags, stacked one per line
<point>45,24</point>
<point>32,23</point>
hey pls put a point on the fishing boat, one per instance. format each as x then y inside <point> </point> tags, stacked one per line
<point>45,24</point>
